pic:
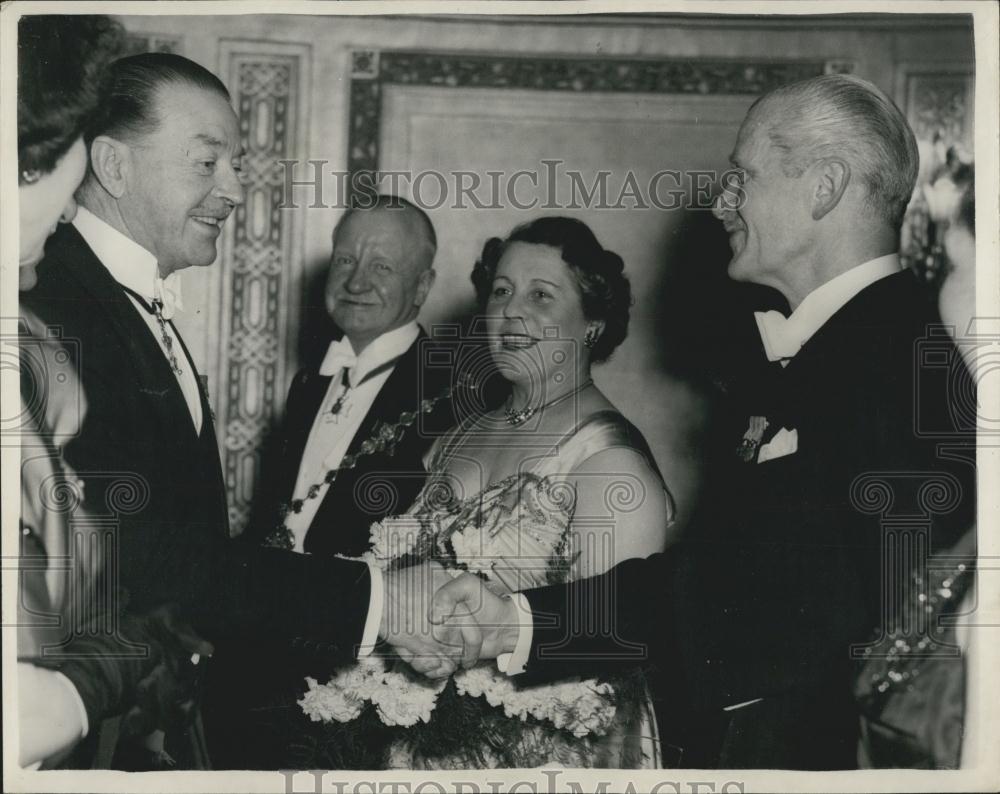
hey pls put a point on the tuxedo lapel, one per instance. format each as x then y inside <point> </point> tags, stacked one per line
<point>207,414</point>
<point>857,322</point>
<point>206,438</point>
<point>398,394</point>
<point>304,401</point>
<point>341,524</point>
<point>156,380</point>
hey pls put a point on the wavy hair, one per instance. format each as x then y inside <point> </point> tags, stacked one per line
<point>604,288</point>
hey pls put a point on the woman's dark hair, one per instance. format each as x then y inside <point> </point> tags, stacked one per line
<point>135,81</point>
<point>62,82</point>
<point>604,287</point>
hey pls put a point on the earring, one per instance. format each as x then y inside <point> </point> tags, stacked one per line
<point>590,338</point>
<point>30,175</point>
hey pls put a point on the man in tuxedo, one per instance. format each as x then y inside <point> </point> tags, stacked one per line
<point>380,274</point>
<point>371,379</point>
<point>752,619</point>
<point>164,175</point>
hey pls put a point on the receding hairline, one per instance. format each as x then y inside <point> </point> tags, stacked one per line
<point>414,215</point>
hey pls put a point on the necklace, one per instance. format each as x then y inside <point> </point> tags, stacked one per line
<point>522,415</point>
<point>156,309</point>
<point>338,407</point>
<point>168,343</point>
<point>383,439</point>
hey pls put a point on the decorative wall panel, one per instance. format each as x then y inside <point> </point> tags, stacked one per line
<point>471,115</point>
<point>372,69</point>
<point>939,107</point>
<point>260,260</point>
<point>939,100</point>
<point>151,42</point>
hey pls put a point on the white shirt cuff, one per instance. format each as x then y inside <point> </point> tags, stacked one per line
<point>75,697</point>
<point>374,620</point>
<point>514,663</point>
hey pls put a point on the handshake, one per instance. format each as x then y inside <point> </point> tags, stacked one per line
<point>436,620</point>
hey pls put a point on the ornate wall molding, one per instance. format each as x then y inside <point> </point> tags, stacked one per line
<point>939,106</point>
<point>261,258</point>
<point>151,42</point>
<point>373,69</point>
<point>939,101</point>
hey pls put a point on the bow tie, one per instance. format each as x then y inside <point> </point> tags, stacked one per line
<point>780,337</point>
<point>168,292</point>
<point>166,298</point>
<point>340,355</point>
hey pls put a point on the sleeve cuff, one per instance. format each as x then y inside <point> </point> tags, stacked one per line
<point>515,662</point>
<point>370,637</point>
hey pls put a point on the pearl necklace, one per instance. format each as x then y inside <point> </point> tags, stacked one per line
<point>522,415</point>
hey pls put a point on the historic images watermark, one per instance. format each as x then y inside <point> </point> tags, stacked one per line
<point>319,781</point>
<point>549,187</point>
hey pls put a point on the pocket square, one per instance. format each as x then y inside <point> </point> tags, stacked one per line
<point>785,442</point>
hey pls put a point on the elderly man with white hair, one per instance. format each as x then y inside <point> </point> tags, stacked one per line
<point>754,619</point>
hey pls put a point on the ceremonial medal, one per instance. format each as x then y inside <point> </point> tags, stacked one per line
<point>341,408</point>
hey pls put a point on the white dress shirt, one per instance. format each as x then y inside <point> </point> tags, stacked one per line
<point>331,436</point>
<point>784,337</point>
<point>134,267</point>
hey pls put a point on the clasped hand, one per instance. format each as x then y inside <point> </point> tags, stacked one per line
<point>436,621</point>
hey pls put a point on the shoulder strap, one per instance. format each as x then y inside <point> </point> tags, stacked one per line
<point>599,431</point>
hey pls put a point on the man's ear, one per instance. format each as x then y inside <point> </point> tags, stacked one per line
<point>109,159</point>
<point>424,283</point>
<point>832,176</point>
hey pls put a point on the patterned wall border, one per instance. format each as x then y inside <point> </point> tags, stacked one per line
<point>938,98</point>
<point>373,69</point>
<point>151,42</point>
<point>261,259</point>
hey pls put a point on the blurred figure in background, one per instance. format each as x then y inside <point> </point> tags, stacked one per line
<point>918,705</point>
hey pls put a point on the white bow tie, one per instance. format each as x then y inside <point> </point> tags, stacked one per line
<point>168,292</point>
<point>339,355</point>
<point>781,342</point>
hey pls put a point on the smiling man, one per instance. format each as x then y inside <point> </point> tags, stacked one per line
<point>164,176</point>
<point>753,618</point>
<point>379,276</point>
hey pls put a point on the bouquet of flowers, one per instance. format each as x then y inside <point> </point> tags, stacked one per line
<point>477,711</point>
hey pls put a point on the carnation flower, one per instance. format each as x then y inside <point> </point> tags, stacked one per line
<point>393,537</point>
<point>363,678</point>
<point>580,707</point>
<point>328,703</point>
<point>404,701</point>
<point>399,699</point>
<point>472,549</point>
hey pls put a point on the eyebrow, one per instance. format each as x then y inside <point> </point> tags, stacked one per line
<point>211,140</point>
<point>546,281</point>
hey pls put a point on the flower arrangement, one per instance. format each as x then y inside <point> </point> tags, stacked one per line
<point>398,698</point>
<point>477,711</point>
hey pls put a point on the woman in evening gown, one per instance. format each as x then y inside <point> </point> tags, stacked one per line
<point>553,485</point>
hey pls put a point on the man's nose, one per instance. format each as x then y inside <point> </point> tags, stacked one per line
<point>228,186</point>
<point>727,200</point>
<point>358,280</point>
<point>69,211</point>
